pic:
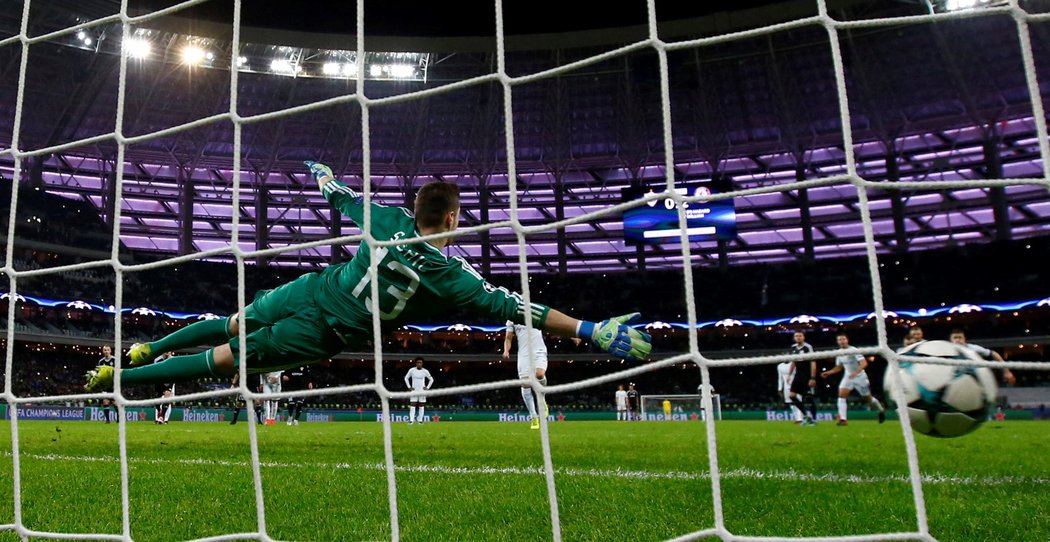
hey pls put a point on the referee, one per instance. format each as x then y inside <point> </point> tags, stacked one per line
<point>296,379</point>
<point>632,402</point>
<point>804,385</point>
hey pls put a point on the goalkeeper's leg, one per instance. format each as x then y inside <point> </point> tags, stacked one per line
<point>300,337</point>
<point>202,333</point>
<point>218,361</point>
<point>284,327</point>
<point>213,362</point>
<point>269,307</point>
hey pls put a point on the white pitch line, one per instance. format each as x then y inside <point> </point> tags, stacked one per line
<point>740,474</point>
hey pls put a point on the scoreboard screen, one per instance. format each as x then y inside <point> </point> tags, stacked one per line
<point>657,221</point>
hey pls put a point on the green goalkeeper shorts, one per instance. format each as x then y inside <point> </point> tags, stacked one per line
<point>284,328</point>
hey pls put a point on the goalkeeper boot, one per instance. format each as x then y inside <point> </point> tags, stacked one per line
<point>99,379</point>
<point>140,354</point>
<point>882,416</point>
<point>535,423</point>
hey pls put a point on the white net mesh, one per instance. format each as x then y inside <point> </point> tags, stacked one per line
<point>653,43</point>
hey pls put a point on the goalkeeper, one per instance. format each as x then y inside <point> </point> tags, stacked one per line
<point>320,314</point>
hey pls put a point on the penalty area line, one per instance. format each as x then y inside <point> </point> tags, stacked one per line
<point>789,475</point>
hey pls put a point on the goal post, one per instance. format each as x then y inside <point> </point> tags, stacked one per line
<point>683,407</point>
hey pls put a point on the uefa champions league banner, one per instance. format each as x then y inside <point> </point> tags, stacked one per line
<point>48,413</point>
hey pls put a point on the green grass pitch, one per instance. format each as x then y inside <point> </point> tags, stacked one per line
<point>483,481</point>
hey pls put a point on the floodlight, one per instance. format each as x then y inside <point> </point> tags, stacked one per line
<point>137,48</point>
<point>193,55</point>
<point>402,71</point>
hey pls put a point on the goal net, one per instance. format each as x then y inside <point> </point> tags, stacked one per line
<point>851,168</point>
<point>682,407</point>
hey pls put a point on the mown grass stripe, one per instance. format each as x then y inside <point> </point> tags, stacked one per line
<point>741,473</point>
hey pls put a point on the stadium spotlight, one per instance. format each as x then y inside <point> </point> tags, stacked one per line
<point>402,71</point>
<point>284,66</point>
<point>193,55</point>
<point>199,51</point>
<point>137,48</point>
<point>83,39</point>
<point>962,5</point>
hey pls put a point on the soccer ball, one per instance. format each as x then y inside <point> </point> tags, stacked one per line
<point>944,400</point>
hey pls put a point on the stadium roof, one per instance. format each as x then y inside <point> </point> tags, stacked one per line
<point>948,99</point>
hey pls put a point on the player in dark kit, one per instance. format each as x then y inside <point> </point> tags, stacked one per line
<point>295,379</point>
<point>239,404</point>
<point>632,402</point>
<point>107,360</point>
<point>804,385</point>
<point>320,314</point>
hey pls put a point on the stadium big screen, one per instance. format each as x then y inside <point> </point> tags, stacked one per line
<point>657,221</point>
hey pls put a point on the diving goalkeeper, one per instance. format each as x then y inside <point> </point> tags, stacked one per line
<point>320,314</point>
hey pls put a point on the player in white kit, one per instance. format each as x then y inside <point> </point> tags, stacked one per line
<point>271,383</point>
<point>417,379</point>
<point>529,343</point>
<point>785,374</point>
<point>621,404</point>
<point>854,379</point>
<point>958,336</point>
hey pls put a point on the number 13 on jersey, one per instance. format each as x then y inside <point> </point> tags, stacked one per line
<point>398,296</point>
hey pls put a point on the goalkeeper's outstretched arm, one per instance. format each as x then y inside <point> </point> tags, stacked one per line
<point>612,335</point>
<point>345,199</point>
<point>321,173</point>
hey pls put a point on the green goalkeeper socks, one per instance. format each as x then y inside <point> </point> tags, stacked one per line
<point>203,333</point>
<point>173,369</point>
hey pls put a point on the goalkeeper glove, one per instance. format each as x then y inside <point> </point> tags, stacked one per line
<point>617,338</point>
<point>319,170</point>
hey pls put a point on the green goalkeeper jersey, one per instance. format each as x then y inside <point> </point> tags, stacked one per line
<point>415,279</point>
